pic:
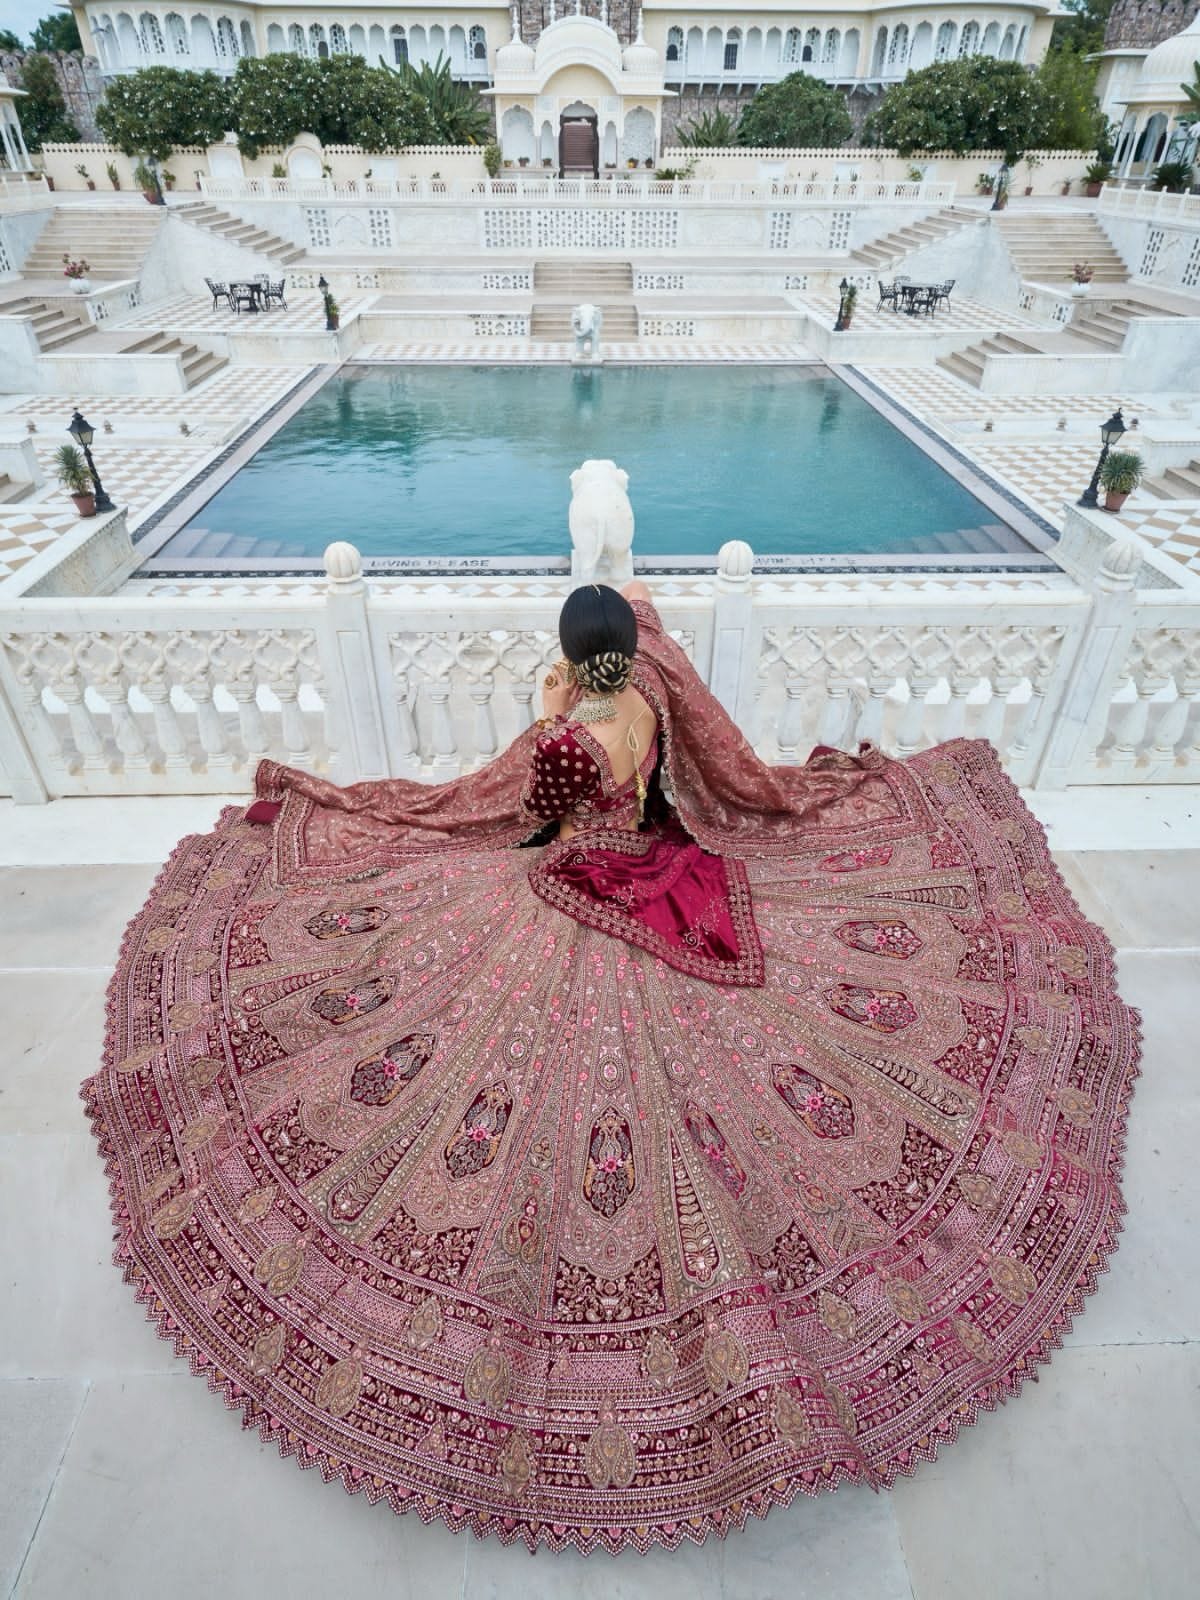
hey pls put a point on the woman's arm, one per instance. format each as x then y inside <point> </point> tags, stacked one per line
<point>635,589</point>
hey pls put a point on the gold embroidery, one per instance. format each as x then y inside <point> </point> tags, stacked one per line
<point>257,1203</point>
<point>159,939</point>
<point>425,1324</point>
<point>1077,1107</point>
<point>199,1133</point>
<point>791,1420</point>
<point>488,1375</point>
<point>1026,1152</point>
<point>837,1315</point>
<point>204,1070</point>
<point>1014,1279</point>
<point>139,1060</point>
<point>170,1220</point>
<point>516,1464</point>
<point>726,1363</point>
<point>906,1300</point>
<point>610,1458</point>
<point>972,1338</point>
<point>268,1349</point>
<point>340,1387</point>
<point>279,1267</point>
<point>659,1362</point>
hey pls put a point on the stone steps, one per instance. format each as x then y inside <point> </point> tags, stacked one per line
<point>11,491</point>
<point>246,234</point>
<point>197,364</point>
<point>1107,325</point>
<point>52,325</point>
<point>968,364</point>
<point>583,278</point>
<point>113,242</point>
<point>1176,483</point>
<point>552,323</point>
<point>884,253</point>
<point>1045,248</point>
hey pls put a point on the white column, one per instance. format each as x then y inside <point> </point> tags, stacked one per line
<point>350,672</point>
<point>10,154</point>
<point>28,164</point>
<point>735,647</point>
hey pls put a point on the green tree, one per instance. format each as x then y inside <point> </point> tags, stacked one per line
<point>161,109</point>
<point>273,99</point>
<point>44,118</point>
<point>9,40</point>
<point>798,112</point>
<point>59,31</point>
<point>1070,116</point>
<point>707,132</point>
<point>456,112</point>
<point>341,100</point>
<point>1083,30</point>
<point>959,106</point>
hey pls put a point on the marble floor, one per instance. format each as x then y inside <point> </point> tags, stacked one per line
<point>121,1477</point>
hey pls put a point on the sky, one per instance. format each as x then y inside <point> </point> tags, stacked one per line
<point>22,16</point>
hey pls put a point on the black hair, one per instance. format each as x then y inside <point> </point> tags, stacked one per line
<point>595,621</point>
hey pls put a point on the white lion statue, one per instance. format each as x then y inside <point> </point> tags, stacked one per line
<point>601,523</point>
<point>586,322</point>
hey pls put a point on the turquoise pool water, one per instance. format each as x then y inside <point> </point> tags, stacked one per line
<point>475,461</point>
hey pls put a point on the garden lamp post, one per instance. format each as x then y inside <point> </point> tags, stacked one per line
<point>1111,432</point>
<point>323,285</point>
<point>1001,187</point>
<point>82,432</point>
<point>843,317</point>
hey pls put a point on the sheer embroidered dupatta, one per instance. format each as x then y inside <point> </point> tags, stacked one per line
<point>729,800</point>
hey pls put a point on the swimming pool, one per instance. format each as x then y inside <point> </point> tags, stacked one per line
<point>455,462</point>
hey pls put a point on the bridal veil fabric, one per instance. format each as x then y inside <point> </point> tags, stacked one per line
<point>468,1202</point>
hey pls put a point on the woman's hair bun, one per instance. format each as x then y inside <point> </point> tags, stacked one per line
<point>607,672</point>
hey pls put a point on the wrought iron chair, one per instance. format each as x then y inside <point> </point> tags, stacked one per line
<point>887,295</point>
<point>942,294</point>
<point>275,292</point>
<point>219,292</point>
<point>243,298</point>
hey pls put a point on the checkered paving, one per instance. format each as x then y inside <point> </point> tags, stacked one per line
<point>305,314</point>
<point>234,393</point>
<point>934,393</point>
<point>525,351</point>
<point>1043,475</point>
<point>135,474</point>
<point>28,528</point>
<point>960,316</point>
<point>1173,529</point>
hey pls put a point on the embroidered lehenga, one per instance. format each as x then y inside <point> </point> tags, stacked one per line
<point>610,1190</point>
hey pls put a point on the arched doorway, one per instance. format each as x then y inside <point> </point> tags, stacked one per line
<point>578,141</point>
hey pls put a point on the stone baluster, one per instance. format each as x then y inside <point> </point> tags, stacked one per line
<point>17,758</point>
<point>1170,729</point>
<point>522,694</point>
<point>445,746</point>
<point>735,649</point>
<point>1130,722</point>
<point>255,741</point>
<point>791,722</point>
<point>293,729</point>
<point>209,724</point>
<point>89,741</point>
<point>840,713</point>
<point>168,729</point>
<point>486,740</point>
<point>128,736</point>
<point>911,722</point>
<point>408,743</point>
<point>349,668</point>
<point>995,713</point>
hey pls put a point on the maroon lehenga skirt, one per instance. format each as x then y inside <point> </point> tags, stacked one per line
<point>507,1220</point>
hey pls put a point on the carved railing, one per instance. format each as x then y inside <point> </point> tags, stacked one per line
<point>518,188</point>
<point>1084,680</point>
<point>1154,205</point>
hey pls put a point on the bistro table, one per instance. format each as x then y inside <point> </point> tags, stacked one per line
<point>916,297</point>
<point>252,290</point>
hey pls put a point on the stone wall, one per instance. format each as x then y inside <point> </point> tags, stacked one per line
<point>78,78</point>
<point>622,16</point>
<point>1141,24</point>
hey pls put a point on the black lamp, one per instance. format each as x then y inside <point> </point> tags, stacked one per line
<point>82,432</point>
<point>1111,433</point>
<point>843,319</point>
<point>1001,187</point>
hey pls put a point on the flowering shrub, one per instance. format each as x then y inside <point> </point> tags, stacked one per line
<point>1082,272</point>
<point>161,109</point>
<point>798,112</point>
<point>75,269</point>
<point>958,106</point>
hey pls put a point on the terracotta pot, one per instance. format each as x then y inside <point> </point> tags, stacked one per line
<point>152,197</point>
<point>332,324</point>
<point>1028,188</point>
<point>85,504</point>
<point>1092,189</point>
<point>91,183</point>
<point>1114,499</point>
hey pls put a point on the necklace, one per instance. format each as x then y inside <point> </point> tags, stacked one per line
<point>596,708</point>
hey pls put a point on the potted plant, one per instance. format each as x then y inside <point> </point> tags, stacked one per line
<point>631,163</point>
<point>1119,477</point>
<point>985,183</point>
<point>333,312</point>
<point>849,299</point>
<point>522,161</point>
<point>1066,185</point>
<point>1173,176</point>
<point>76,272</point>
<point>491,158</point>
<point>169,179</point>
<point>1032,162</point>
<point>1096,176</point>
<point>1082,272</point>
<point>147,181</point>
<point>546,161</point>
<point>83,173</point>
<point>114,177</point>
<point>278,170</point>
<point>649,161</point>
<point>75,478</point>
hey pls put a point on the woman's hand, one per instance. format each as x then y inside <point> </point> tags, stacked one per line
<point>558,695</point>
<point>635,589</point>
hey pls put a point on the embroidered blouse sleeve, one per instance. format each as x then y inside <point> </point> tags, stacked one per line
<point>563,772</point>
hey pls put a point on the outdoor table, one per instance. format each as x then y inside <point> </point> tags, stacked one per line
<point>251,287</point>
<point>916,297</point>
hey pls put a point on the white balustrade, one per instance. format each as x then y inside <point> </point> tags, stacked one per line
<point>1080,680</point>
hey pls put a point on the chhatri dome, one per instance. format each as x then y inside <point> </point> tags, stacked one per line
<point>515,57</point>
<point>639,58</point>
<point>1167,68</point>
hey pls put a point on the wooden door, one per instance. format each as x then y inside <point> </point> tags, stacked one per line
<point>579,147</point>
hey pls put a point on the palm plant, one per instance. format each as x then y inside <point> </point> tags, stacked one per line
<point>708,131</point>
<point>1192,91</point>
<point>457,111</point>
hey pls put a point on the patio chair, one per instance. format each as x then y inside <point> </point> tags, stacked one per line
<point>887,295</point>
<point>942,294</point>
<point>275,292</point>
<point>219,292</point>
<point>242,298</point>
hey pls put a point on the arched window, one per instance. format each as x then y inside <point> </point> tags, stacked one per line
<point>733,44</point>
<point>296,42</point>
<point>337,39</point>
<point>1021,38</point>
<point>945,41</point>
<point>792,45</point>
<point>968,45</point>
<point>674,43</point>
<point>812,45</point>
<point>317,43</point>
<point>128,38</point>
<point>276,39</point>
<point>399,47</point>
<point>177,39</point>
<point>898,53</point>
<point>1008,43</point>
<point>152,39</point>
<point>833,43</point>
<point>248,47</point>
<point>991,39</point>
<point>879,60</point>
<point>477,43</point>
<point>227,44</point>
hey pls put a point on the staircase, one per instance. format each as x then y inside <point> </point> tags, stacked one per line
<point>1106,325</point>
<point>1045,247</point>
<point>968,364</point>
<point>197,364</point>
<point>113,240</point>
<point>259,240</point>
<point>1176,483</point>
<point>881,255</point>
<point>53,324</point>
<point>559,286</point>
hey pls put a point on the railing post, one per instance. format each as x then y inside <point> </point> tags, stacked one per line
<point>735,645</point>
<point>16,758</point>
<point>349,669</point>
<point>1081,719</point>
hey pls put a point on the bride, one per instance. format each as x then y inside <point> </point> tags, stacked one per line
<point>746,1133</point>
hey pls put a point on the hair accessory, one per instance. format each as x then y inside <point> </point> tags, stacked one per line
<point>595,708</point>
